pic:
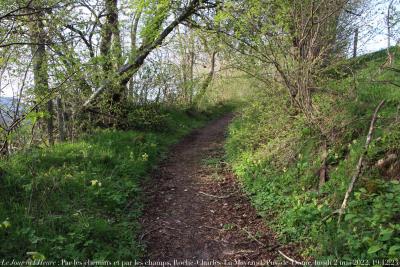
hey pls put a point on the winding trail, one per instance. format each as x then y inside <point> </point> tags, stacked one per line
<point>196,213</point>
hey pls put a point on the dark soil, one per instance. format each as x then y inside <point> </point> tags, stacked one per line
<point>196,213</point>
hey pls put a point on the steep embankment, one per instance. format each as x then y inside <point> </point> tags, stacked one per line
<point>280,159</point>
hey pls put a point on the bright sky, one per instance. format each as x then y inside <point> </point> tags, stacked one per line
<point>373,28</point>
<point>378,43</point>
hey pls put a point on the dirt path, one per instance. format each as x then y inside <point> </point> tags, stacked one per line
<point>196,214</point>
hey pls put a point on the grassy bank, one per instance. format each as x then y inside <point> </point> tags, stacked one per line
<point>82,200</point>
<point>278,158</point>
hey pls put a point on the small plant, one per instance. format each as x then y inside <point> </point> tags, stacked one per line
<point>228,226</point>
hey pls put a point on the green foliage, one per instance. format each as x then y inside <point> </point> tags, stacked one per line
<point>226,88</point>
<point>277,157</point>
<point>55,208</point>
<point>147,117</point>
<point>372,219</point>
<point>155,13</point>
<point>82,200</point>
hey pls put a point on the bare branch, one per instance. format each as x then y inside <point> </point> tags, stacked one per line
<point>360,161</point>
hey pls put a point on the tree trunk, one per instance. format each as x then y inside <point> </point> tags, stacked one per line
<point>355,43</point>
<point>134,30</point>
<point>111,51</point>
<point>40,68</point>
<point>207,81</point>
<point>106,37</point>
<point>61,120</point>
<point>191,71</point>
<point>323,172</point>
<point>50,122</point>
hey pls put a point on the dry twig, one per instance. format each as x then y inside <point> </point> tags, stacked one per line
<point>209,195</point>
<point>360,161</point>
<point>290,259</point>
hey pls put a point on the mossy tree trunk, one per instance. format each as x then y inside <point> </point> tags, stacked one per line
<point>40,68</point>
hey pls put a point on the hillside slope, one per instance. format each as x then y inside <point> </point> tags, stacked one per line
<point>279,159</point>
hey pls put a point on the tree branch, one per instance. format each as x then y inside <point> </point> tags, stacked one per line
<point>360,161</point>
<point>126,71</point>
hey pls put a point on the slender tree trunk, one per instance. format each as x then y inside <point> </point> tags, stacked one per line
<point>40,69</point>
<point>105,45</point>
<point>191,71</point>
<point>323,173</point>
<point>355,43</point>
<point>134,48</point>
<point>61,120</point>
<point>50,122</point>
<point>206,83</point>
<point>158,96</point>
<point>134,29</point>
<point>388,25</point>
<point>390,55</point>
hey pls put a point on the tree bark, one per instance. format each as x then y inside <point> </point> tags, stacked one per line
<point>134,30</point>
<point>40,68</point>
<point>355,43</point>
<point>323,173</point>
<point>206,83</point>
<point>61,120</point>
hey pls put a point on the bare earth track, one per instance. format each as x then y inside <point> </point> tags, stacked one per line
<point>196,214</point>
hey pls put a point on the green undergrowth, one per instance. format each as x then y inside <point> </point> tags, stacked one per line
<point>82,200</point>
<point>278,158</point>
